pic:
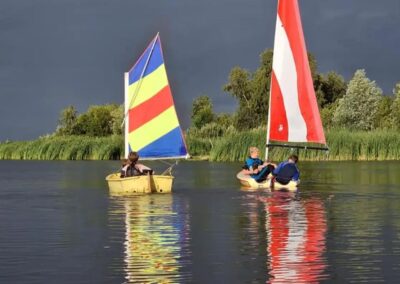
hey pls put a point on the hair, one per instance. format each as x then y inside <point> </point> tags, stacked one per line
<point>294,158</point>
<point>133,157</point>
<point>253,149</point>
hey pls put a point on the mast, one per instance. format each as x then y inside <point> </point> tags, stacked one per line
<point>268,127</point>
<point>126,110</point>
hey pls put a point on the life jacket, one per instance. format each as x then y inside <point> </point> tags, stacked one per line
<point>132,171</point>
<point>252,163</point>
<point>286,173</point>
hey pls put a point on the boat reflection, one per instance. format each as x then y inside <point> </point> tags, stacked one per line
<point>296,231</point>
<point>156,240</point>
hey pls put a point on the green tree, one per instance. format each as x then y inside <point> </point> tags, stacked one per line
<point>260,85</point>
<point>224,119</point>
<point>384,114</point>
<point>395,108</point>
<point>358,108</point>
<point>202,112</point>
<point>327,114</point>
<point>252,91</point>
<point>329,88</point>
<point>97,121</point>
<point>67,121</point>
<point>240,87</point>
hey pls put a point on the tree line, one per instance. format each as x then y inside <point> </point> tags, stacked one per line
<point>356,105</point>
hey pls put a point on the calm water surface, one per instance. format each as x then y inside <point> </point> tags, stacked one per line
<point>58,224</point>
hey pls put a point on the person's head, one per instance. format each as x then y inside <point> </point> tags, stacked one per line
<point>254,152</point>
<point>293,159</point>
<point>133,157</point>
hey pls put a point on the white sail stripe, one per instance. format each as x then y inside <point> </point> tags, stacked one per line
<point>285,71</point>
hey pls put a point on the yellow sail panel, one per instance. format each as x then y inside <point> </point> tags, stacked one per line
<point>149,86</point>
<point>154,129</point>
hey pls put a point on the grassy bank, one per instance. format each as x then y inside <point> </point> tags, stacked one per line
<point>343,145</point>
<point>64,148</point>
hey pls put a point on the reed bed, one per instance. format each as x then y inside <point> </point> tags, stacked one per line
<point>343,145</point>
<point>64,148</point>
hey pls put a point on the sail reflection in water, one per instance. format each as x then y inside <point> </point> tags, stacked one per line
<point>296,238</point>
<point>156,240</point>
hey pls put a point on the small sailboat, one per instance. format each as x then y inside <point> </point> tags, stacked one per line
<point>293,117</point>
<point>151,124</point>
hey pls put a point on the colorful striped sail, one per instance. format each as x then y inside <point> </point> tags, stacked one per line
<point>151,124</point>
<point>293,109</point>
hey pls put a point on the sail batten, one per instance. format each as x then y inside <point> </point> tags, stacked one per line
<point>152,125</point>
<point>294,115</point>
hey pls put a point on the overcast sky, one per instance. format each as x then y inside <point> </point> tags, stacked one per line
<point>55,53</point>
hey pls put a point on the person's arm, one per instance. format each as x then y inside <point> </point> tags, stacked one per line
<point>278,169</point>
<point>296,176</point>
<point>250,172</point>
<point>142,168</point>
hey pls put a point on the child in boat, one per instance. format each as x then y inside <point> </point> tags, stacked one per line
<point>136,169</point>
<point>255,167</point>
<point>287,171</point>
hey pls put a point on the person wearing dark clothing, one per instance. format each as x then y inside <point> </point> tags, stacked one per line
<point>131,167</point>
<point>287,171</point>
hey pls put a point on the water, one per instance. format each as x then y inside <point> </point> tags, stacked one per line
<point>58,224</point>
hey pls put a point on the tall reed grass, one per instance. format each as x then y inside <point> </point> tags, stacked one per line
<point>64,148</point>
<point>343,145</point>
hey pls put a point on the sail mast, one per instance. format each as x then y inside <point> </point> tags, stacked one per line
<point>268,127</point>
<point>126,110</point>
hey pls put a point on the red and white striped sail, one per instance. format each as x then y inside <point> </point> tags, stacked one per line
<point>293,109</point>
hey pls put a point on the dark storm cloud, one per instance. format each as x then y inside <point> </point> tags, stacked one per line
<point>57,53</point>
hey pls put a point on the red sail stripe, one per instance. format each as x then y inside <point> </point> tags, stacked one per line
<point>289,14</point>
<point>279,125</point>
<point>150,109</point>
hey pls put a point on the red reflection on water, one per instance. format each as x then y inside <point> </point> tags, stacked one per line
<point>296,238</point>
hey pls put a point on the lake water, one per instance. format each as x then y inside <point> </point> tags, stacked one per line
<point>58,224</point>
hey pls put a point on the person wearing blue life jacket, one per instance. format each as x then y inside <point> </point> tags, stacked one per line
<point>255,167</point>
<point>287,171</point>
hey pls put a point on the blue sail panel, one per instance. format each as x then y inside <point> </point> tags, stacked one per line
<point>168,146</point>
<point>155,60</point>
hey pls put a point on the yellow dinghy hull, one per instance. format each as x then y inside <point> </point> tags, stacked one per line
<point>250,183</point>
<point>139,184</point>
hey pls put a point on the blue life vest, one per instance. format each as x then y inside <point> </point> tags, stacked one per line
<point>252,163</point>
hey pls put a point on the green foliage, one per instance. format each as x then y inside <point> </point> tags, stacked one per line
<point>239,86</point>
<point>384,114</point>
<point>98,121</point>
<point>117,116</point>
<point>64,148</point>
<point>329,88</point>
<point>67,121</point>
<point>224,119</point>
<point>358,108</point>
<point>252,91</point>
<point>395,108</point>
<point>202,111</point>
<point>327,114</point>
